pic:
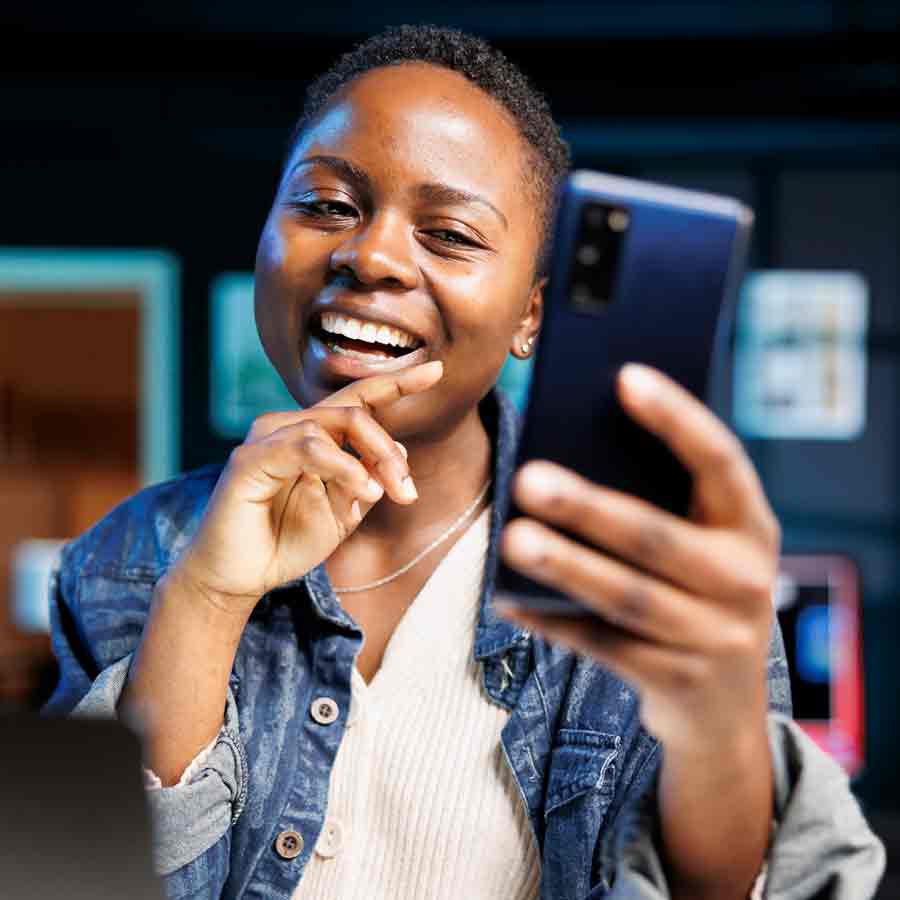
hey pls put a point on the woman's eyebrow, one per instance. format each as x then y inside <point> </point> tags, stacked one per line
<point>341,167</point>
<point>443,193</point>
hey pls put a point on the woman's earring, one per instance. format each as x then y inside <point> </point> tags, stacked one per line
<point>526,347</point>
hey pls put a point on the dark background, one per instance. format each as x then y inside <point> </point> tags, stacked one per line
<point>162,125</point>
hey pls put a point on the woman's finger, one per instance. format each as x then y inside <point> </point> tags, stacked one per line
<point>643,664</point>
<point>379,391</point>
<point>377,451</point>
<point>370,393</point>
<point>726,485</point>
<point>619,594</point>
<point>304,448</point>
<point>700,560</point>
<point>345,506</point>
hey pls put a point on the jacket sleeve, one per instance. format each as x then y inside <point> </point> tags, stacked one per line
<point>96,622</point>
<point>821,848</point>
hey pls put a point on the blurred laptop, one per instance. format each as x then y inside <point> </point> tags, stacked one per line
<point>819,612</point>
<point>74,822</point>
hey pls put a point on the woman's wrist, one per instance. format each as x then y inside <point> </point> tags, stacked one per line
<point>180,586</point>
<point>178,682</point>
<point>715,813</point>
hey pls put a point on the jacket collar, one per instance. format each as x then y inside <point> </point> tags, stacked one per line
<point>492,634</point>
<point>501,419</point>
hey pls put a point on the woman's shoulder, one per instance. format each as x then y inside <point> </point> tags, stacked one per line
<point>139,538</point>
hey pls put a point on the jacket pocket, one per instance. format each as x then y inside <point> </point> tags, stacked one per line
<point>580,787</point>
<point>581,761</point>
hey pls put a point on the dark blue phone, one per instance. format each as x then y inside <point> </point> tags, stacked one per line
<point>639,273</point>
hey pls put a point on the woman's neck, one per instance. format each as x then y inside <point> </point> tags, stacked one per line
<point>448,474</point>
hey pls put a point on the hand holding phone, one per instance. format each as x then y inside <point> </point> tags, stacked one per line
<point>639,273</point>
<point>642,515</point>
<point>638,532</point>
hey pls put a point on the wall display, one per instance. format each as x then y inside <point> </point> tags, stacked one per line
<point>90,399</point>
<point>800,355</point>
<point>243,383</point>
<point>32,563</point>
<point>818,606</point>
<point>63,282</point>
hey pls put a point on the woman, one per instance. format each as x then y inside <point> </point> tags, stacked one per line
<point>325,587</point>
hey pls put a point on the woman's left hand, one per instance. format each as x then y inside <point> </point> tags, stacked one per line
<point>684,606</point>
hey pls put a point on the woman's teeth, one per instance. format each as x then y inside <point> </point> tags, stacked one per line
<point>358,330</point>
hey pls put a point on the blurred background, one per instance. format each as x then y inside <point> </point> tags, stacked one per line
<point>139,154</point>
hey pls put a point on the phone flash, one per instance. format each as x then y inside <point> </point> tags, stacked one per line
<point>618,220</point>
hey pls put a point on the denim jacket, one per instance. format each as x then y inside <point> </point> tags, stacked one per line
<point>585,767</point>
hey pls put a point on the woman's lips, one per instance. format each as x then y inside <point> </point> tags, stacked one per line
<point>335,364</point>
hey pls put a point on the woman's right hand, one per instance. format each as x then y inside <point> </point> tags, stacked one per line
<point>290,494</point>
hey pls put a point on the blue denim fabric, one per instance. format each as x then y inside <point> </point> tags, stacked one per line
<point>584,764</point>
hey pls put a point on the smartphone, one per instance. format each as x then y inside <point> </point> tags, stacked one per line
<point>639,272</point>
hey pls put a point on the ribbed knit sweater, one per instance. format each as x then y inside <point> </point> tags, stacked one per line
<point>421,803</point>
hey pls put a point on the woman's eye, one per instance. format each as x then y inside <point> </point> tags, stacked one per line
<point>325,209</point>
<point>452,237</point>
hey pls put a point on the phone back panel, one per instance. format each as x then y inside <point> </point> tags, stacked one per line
<point>639,273</point>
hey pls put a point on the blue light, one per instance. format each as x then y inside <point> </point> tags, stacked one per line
<point>813,644</point>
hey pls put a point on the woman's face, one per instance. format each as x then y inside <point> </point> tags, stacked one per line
<point>402,217</point>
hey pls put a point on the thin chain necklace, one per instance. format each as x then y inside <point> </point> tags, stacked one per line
<point>435,543</point>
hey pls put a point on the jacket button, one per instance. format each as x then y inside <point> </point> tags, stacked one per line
<point>324,710</point>
<point>331,840</point>
<point>289,844</point>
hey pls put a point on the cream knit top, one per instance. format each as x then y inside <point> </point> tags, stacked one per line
<point>421,803</point>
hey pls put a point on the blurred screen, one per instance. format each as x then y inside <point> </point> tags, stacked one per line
<point>807,638</point>
<point>819,612</point>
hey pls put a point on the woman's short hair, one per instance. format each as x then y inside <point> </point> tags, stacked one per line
<point>483,65</point>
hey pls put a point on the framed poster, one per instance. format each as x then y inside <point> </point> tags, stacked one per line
<point>800,355</point>
<point>243,383</point>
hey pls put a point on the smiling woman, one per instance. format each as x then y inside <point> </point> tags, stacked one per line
<point>413,214</point>
<point>396,739</point>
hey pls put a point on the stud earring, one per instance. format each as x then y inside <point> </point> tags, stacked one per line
<point>526,346</point>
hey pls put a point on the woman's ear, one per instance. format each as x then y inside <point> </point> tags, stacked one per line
<point>530,322</point>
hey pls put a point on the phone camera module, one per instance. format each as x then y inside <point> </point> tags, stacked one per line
<point>598,248</point>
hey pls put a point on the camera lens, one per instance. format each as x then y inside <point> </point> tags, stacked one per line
<point>588,255</point>
<point>595,216</point>
<point>582,295</point>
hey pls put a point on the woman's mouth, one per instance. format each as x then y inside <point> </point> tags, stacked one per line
<point>363,340</point>
<point>347,347</point>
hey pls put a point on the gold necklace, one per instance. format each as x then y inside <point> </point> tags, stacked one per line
<point>435,543</point>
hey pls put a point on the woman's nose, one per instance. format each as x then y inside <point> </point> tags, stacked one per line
<point>378,254</point>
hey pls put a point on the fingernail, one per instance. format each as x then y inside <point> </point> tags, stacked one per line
<point>374,490</point>
<point>527,547</point>
<point>541,481</point>
<point>402,449</point>
<point>505,609</point>
<point>355,511</point>
<point>408,489</point>
<point>638,380</point>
